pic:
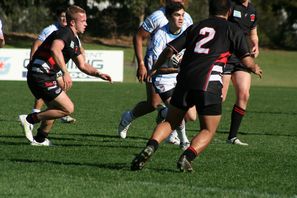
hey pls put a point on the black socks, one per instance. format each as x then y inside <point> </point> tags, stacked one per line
<point>236,117</point>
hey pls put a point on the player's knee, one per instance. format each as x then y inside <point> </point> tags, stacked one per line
<point>244,96</point>
<point>69,109</point>
<point>154,105</point>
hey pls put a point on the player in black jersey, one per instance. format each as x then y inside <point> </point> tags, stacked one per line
<point>243,15</point>
<point>50,58</point>
<point>208,45</point>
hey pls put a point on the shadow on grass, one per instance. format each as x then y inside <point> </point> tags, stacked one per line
<point>83,144</point>
<point>112,166</point>
<point>274,113</point>
<point>102,136</point>
<point>253,133</point>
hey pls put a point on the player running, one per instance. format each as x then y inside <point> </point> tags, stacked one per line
<point>149,27</point>
<point>165,80</point>
<point>50,58</point>
<point>244,15</point>
<point>61,22</point>
<point>199,82</point>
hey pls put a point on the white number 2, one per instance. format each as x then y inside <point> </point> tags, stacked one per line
<point>211,33</point>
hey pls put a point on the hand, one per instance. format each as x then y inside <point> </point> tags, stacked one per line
<point>67,81</point>
<point>258,71</point>
<point>105,77</point>
<point>141,72</point>
<point>175,60</point>
<point>149,77</point>
<point>255,52</point>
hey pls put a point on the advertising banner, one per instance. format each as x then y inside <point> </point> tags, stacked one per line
<point>13,63</point>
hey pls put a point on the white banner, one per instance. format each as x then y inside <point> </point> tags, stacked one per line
<point>13,63</point>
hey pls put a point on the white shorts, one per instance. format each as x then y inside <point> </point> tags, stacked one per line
<point>164,82</point>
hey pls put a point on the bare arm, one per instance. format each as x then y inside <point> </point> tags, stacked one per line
<point>56,52</point>
<point>34,47</point>
<point>138,39</point>
<point>89,69</point>
<point>2,40</point>
<point>164,56</point>
<point>249,63</point>
<point>167,70</point>
<point>254,42</point>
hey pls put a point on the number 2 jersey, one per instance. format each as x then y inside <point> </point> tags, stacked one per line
<point>208,45</point>
<point>43,62</point>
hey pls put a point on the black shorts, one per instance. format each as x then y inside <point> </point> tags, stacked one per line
<point>234,67</point>
<point>43,86</point>
<point>166,95</point>
<point>206,103</point>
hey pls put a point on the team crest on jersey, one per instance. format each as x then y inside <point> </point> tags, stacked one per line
<point>237,14</point>
<point>253,16</point>
<point>72,44</point>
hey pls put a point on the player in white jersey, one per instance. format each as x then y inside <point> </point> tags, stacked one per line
<point>61,22</point>
<point>151,24</point>
<point>165,80</point>
<point>2,40</point>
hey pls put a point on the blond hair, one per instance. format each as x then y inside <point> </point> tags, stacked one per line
<point>72,11</point>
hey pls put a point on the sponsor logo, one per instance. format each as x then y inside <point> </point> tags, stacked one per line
<point>72,44</point>
<point>58,90</point>
<point>237,14</point>
<point>253,17</point>
<point>4,65</point>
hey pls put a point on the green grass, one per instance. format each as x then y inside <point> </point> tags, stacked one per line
<point>89,160</point>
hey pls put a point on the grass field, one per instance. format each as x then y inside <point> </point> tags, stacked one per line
<point>89,160</point>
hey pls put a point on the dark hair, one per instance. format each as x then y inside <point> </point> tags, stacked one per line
<point>219,7</point>
<point>173,7</point>
<point>60,10</point>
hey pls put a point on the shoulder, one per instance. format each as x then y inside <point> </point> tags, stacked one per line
<point>50,28</point>
<point>163,30</point>
<point>188,19</point>
<point>251,7</point>
<point>157,15</point>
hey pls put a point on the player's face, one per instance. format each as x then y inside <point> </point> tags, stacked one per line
<point>81,22</point>
<point>62,19</point>
<point>177,18</point>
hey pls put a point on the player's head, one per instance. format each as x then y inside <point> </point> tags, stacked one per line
<point>61,16</point>
<point>175,14</point>
<point>76,18</point>
<point>164,2</point>
<point>219,7</point>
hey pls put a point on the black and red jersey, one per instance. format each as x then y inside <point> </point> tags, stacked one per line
<point>208,45</point>
<point>43,62</point>
<point>245,18</point>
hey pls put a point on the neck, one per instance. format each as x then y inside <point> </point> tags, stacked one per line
<point>245,3</point>
<point>222,16</point>
<point>73,30</point>
<point>174,30</point>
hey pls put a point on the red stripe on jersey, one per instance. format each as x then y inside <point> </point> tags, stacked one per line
<point>51,61</point>
<point>49,84</point>
<point>239,110</point>
<point>207,78</point>
<point>45,56</point>
<point>223,58</point>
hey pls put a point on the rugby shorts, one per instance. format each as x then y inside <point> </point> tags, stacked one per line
<point>206,103</point>
<point>43,86</point>
<point>234,67</point>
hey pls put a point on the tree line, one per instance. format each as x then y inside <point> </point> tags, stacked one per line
<point>277,21</point>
